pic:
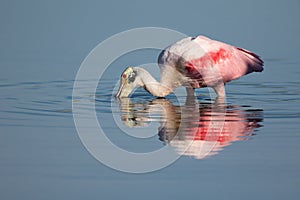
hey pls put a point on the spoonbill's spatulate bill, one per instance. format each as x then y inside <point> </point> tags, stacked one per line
<point>192,62</point>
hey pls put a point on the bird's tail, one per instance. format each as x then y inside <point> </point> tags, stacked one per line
<point>254,61</point>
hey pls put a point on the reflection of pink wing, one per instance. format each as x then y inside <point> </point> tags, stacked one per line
<point>215,132</point>
<point>213,128</point>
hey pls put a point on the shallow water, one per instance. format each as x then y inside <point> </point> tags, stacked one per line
<point>247,148</point>
<point>255,150</point>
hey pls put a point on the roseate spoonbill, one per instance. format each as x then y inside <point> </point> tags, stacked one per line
<point>192,62</point>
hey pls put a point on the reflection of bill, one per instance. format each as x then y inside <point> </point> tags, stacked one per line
<point>198,135</point>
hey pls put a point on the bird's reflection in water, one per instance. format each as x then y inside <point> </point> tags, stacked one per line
<point>194,129</point>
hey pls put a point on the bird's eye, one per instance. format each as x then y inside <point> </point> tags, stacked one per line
<point>124,76</point>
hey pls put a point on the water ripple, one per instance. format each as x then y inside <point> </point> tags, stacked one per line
<point>54,98</point>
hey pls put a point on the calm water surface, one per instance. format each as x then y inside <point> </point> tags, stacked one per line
<point>255,155</point>
<point>255,151</point>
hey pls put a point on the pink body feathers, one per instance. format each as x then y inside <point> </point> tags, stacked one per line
<point>207,62</point>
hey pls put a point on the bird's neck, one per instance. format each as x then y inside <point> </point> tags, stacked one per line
<point>149,83</point>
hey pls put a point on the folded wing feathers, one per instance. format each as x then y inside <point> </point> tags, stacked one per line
<point>255,62</point>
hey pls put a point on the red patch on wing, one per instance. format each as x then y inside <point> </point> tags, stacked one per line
<point>194,65</point>
<point>206,60</point>
<point>218,56</point>
<point>196,68</point>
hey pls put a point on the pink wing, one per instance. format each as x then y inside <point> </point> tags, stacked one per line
<point>230,62</point>
<point>206,62</point>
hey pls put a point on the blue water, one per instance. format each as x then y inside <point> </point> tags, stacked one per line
<point>42,156</point>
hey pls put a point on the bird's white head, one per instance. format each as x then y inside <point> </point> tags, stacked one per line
<point>127,82</point>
